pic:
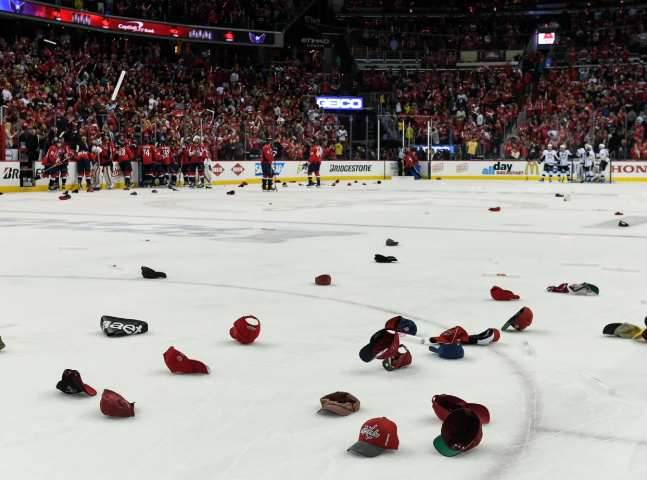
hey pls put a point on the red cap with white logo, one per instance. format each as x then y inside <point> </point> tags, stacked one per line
<point>177,362</point>
<point>376,436</point>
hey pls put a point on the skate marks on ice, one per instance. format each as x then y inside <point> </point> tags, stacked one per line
<point>248,234</point>
<point>632,221</point>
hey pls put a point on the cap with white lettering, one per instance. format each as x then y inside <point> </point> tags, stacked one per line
<point>122,327</point>
<point>376,436</point>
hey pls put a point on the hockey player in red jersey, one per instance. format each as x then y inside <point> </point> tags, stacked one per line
<point>148,155</point>
<point>196,162</point>
<point>84,159</point>
<point>164,154</point>
<point>124,156</point>
<point>66,156</point>
<point>51,163</point>
<point>179,164</point>
<point>267,157</point>
<point>314,164</point>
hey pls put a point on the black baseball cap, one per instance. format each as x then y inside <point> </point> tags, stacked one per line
<point>71,383</point>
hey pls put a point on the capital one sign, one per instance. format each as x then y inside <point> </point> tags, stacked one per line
<point>340,103</point>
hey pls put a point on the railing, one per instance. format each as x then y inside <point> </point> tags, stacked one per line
<point>366,54</point>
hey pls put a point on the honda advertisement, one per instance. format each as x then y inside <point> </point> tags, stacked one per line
<point>137,27</point>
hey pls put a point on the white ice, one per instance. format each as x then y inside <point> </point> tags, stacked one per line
<point>254,416</point>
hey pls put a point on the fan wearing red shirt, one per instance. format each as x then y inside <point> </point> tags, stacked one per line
<point>267,157</point>
<point>314,164</point>
<point>148,155</point>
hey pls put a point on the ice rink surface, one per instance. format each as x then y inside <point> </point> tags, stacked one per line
<point>254,416</point>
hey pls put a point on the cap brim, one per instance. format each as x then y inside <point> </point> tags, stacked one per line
<point>366,449</point>
<point>481,411</point>
<point>344,412</point>
<point>366,353</point>
<point>199,367</point>
<point>89,390</point>
<point>610,329</point>
<point>439,444</point>
<point>433,349</point>
<point>508,324</point>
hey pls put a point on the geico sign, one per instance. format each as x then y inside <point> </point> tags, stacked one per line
<point>341,103</point>
<point>318,41</point>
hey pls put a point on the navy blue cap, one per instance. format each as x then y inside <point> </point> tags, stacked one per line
<point>449,351</point>
<point>402,325</point>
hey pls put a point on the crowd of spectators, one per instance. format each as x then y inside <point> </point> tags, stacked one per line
<point>434,33</point>
<point>236,105</point>
<point>234,13</point>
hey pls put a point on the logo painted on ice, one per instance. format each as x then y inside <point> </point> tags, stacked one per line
<point>370,432</point>
<point>277,168</point>
<point>237,169</point>
<point>217,169</point>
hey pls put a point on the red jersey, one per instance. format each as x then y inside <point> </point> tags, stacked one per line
<point>268,155</point>
<point>123,154</point>
<point>84,154</point>
<point>164,154</point>
<point>316,153</point>
<point>53,155</point>
<point>196,154</point>
<point>107,152</point>
<point>148,153</point>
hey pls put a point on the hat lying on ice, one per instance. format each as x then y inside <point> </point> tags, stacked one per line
<point>445,404</point>
<point>402,325</point>
<point>622,330</point>
<point>114,405</point>
<point>450,351</point>
<point>461,431</point>
<point>491,335</point>
<point>246,329</point>
<point>520,321</point>
<point>71,383</point>
<point>401,359</point>
<point>494,209</point>
<point>323,280</point>
<point>150,273</point>
<point>382,259</point>
<point>502,295</point>
<point>383,344</point>
<point>376,436</point>
<point>341,403</point>
<point>122,327</point>
<point>452,335</point>
<point>177,362</point>
<point>641,336</point>
<point>391,243</point>
<point>583,289</point>
<point>2,345</point>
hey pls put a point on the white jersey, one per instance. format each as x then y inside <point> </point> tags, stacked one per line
<point>589,159</point>
<point>563,157</point>
<point>604,155</point>
<point>549,156</point>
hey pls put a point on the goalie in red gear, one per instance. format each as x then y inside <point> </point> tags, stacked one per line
<point>267,157</point>
<point>314,164</point>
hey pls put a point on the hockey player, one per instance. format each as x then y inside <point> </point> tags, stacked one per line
<point>96,166</point>
<point>164,154</point>
<point>207,167</point>
<point>67,156</point>
<point>564,165</point>
<point>105,161</point>
<point>124,155</point>
<point>179,162</point>
<point>604,161</point>
<point>314,164</point>
<point>51,162</point>
<point>196,162</point>
<point>589,160</point>
<point>84,159</point>
<point>549,157</point>
<point>148,155</point>
<point>267,157</point>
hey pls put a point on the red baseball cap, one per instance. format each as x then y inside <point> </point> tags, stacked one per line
<point>114,405</point>
<point>521,320</point>
<point>246,329</point>
<point>502,295</point>
<point>323,280</point>
<point>376,436</point>
<point>401,359</point>
<point>461,431</point>
<point>445,404</point>
<point>453,335</point>
<point>177,362</point>
<point>383,344</point>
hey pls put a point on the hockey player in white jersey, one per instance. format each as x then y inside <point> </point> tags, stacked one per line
<point>564,165</point>
<point>549,156</point>
<point>589,161</point>
<point>603,158</point>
